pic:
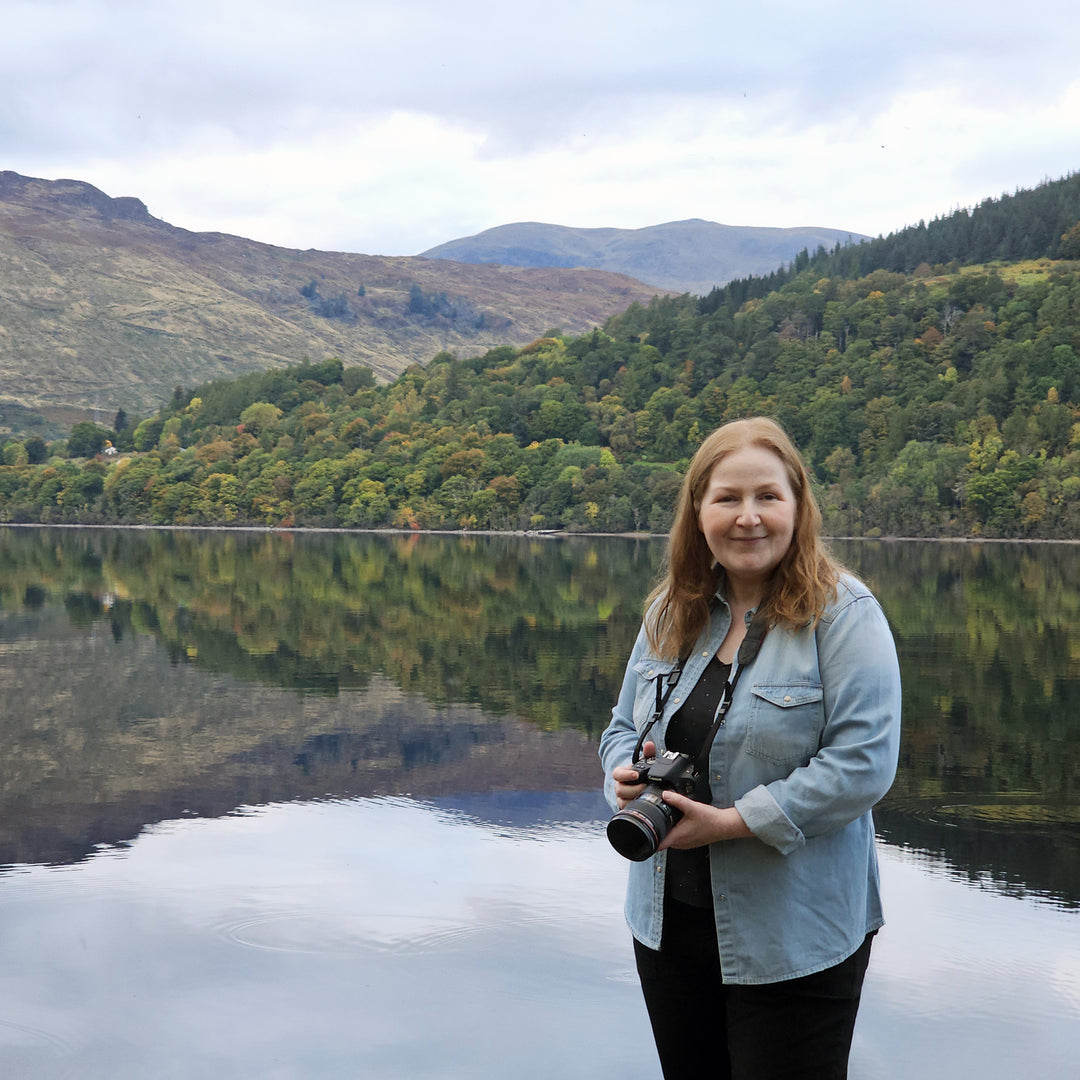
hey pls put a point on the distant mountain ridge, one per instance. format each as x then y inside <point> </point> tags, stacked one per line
<point>684,256</point>
<point>104,306</point>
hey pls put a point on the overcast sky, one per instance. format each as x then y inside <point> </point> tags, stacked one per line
<point>389,127</point>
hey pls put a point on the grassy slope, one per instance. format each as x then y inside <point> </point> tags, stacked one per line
<point>111,313</point>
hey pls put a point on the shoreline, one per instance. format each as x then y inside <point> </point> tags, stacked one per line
<point>529,534</point>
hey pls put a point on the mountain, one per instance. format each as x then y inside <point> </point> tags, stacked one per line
<point>942,402</point>
<point>104,306</point>
<point>684,256</point>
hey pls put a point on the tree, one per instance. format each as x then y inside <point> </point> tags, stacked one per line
<point>37,450</point>
<point>218,497</point>
<point>147,434</point>
<point>358,378</point>
<point>86,439</point>
<point>260,416</point>
<point>129,488</point>
<point>1070,243</point>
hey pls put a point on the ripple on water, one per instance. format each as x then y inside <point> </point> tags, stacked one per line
<point>1005,811</point>
<point>312,933</point>
<point>1008,813</point>
<point>26,1051</point>
<point>1018,843</point>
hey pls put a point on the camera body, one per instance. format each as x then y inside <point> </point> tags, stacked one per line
<point>669,769</point>
<point>639,828</point>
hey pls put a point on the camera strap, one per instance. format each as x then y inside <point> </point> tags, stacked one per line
<point>672,680</point>
<point>748,650</point>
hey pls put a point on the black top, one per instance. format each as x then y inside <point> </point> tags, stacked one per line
<point>687,876</point>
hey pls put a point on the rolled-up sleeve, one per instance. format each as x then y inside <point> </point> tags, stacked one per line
<point>856,761</point>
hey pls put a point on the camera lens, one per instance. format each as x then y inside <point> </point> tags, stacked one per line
<point>639,828</point>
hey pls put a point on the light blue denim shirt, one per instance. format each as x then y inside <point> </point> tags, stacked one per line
<point>809,746</point>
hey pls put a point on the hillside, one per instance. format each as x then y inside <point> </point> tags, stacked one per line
<point>931,404</point>
<point>104,306</point>
<point>683,256</point>
<point>1033,223</point>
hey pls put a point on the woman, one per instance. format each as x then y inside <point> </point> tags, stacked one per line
<point>752,923</point>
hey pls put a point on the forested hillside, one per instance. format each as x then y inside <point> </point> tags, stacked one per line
<point>1038,223</point>
<point>939,403</point>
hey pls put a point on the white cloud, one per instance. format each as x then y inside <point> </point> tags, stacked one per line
<point>390,127</point>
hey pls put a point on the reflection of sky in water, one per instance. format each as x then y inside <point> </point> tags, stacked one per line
<point>390,938</point>
<point>967,982</point>
<point>378,938</point>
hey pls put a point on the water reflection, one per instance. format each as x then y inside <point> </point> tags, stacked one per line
<point>989,642</point>
<point>392,937</point>
<point>966,982</point>
<point>382,938</point>
<point>327,806</point>
<point>149,675</point>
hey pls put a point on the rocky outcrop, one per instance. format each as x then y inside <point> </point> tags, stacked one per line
<point>73,196</point>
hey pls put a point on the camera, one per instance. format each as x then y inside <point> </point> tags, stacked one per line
<point>639,828</point>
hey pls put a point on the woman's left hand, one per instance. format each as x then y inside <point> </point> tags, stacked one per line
<point>702,824</point>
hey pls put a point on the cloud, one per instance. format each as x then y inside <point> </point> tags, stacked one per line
<point>390,127</point>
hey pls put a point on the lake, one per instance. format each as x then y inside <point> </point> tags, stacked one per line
<point>326,805</point>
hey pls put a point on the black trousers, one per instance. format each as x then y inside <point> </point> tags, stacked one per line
<point>799,1029</point>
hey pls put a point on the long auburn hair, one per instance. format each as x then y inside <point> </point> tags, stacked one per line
<point>802,584</point>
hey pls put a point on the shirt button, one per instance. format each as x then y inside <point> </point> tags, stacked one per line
<point>706,653</point>
<point>721,897</point>
<point>677,700</point>
<point>787,697</point>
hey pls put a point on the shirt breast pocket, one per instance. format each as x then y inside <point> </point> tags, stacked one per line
<point>785,722</point>
<point>652,674</point>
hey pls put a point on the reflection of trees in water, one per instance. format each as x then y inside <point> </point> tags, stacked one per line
<point>988,634</point>
<point>108,729</point>
<point>989,642</point>
<point>102,737</point>
<point>535,628</point>
<point>1042,860</point>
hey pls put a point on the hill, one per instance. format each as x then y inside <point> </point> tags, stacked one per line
<point>684,256</point>
<point>104,306</point>
<point>1033,223</point>
<point>929,404</point>
<point>940,402</point>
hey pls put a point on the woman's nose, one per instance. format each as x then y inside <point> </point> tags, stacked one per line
<point>748,515</point>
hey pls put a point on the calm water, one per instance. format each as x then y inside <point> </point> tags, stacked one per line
<point>325,806</point>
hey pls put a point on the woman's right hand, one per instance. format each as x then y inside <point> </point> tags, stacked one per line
<point>627,786</point>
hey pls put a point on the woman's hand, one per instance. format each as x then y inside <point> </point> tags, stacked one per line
<point>702,824</point>
<point>627,788</point>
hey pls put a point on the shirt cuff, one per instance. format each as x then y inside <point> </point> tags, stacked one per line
<point>768,822</point>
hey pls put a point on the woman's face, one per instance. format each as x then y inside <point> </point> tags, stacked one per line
<point>747,517</point>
